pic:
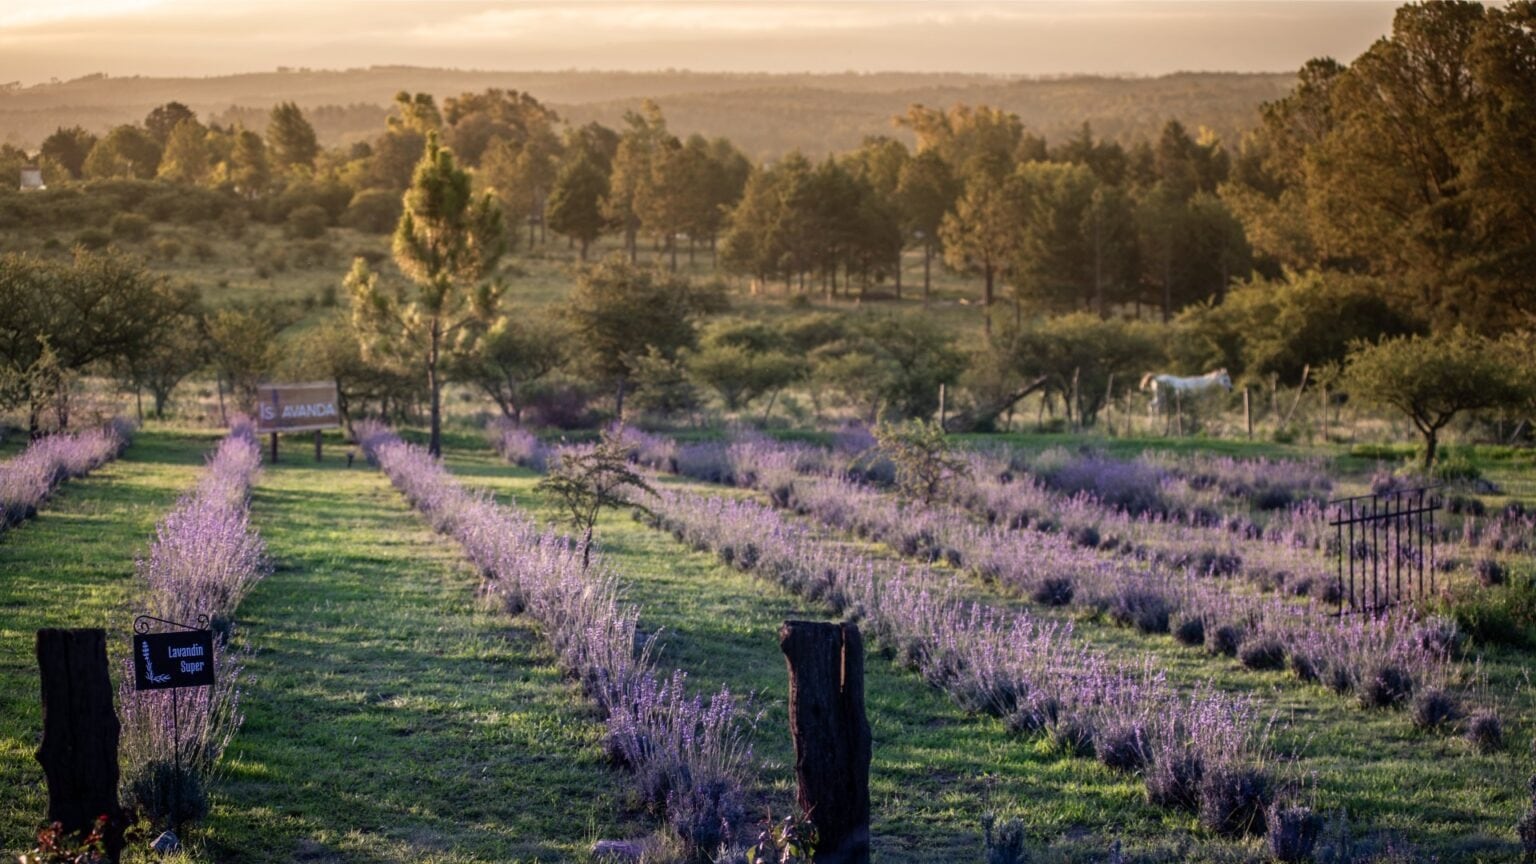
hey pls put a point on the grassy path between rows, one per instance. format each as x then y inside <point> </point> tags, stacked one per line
<point>72,566</point>
<point>936,769</point>
<point>390,716</point>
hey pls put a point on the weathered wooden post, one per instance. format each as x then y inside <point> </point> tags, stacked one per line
<point>1247,413</point>
<point>80,733</point>
<point>1325,413</point>
<point>318,440</point>
<point>831,735</point>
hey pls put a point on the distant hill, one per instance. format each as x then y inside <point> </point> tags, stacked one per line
<point>765,114</point>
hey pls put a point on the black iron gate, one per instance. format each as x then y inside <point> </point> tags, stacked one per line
<point>1386,548</point>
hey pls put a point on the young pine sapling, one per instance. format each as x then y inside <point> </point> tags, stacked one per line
<point>925,464</point>
<point>587,481</point>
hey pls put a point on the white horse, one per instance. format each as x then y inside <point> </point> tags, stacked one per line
<point>1176,385</point>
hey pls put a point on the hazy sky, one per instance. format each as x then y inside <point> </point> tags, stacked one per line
<point>43,39</point>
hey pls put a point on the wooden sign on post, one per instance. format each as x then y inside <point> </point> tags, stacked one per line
<point>297,408</point>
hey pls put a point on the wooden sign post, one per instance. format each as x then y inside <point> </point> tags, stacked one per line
<point>297,408</point>
<point>831,735</point>
<point>173,661</point>
<point>80,733</point>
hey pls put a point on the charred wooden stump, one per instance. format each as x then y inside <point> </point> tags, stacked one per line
<point>831,735</point>
<point>80,733</point>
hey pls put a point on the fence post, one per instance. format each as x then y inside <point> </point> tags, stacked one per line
<point>942,408</point>
<point>274,447</point>
<point>78,752</point>
<point>831,735</point>
<point>318,439</point>
<point>1247,413</point>
<point>1324,391</point>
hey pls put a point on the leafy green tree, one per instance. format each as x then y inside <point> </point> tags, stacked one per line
<point>1267,191</point>
<point>69,148</point>
<point>179,349</point>
<point>630,180</point>
<point>741,362</point>
<point>1190,249</point>
<point>515,354</point>
<point>446,242</point>
<point>164,119</point>
<point>187,158</point>
<point>474,122</point>
<point>925,191</point>
<point>619,311</point>
<point>927,468</point>
<point>127,151</point>
<point>1082,356</point>
<point>290,138</point>
<point>246,169</point>
<point>98,308</point>
<point>521,174</point>
<point>981,233</point>
<point>758,230</point>
<point>1421,171</point>
<point>415,113</point>
<point>725,183</point>
<point>1279,326</point>
<point>663,387</point>
<point>972,141</point>
<point>576,198</point>
<point>242,346</point>
<point>393,158</point>
<point>587,481</point>
<point>891,366</point>
<point>1432,379</point>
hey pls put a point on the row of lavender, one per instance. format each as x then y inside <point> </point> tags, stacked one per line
<point>205,558</point>
<point>1197,751</point>
<point>28,479</point>
<point>1383,661</point>
<point>1221,504</point>
<point>691,757</point>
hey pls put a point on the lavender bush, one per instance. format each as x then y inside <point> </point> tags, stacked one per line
<point>205,558</point>
<point>28,479</point>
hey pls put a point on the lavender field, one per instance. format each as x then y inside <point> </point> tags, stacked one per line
<point>1163,674</point>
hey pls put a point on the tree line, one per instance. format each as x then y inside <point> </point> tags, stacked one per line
<point>1382,201</point>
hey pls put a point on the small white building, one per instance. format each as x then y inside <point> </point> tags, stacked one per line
<point>32,178</point>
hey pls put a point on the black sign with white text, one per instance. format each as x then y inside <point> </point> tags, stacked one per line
<point>162,661</point>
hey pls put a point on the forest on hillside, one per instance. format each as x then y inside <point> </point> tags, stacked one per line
<point>766,114</point>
